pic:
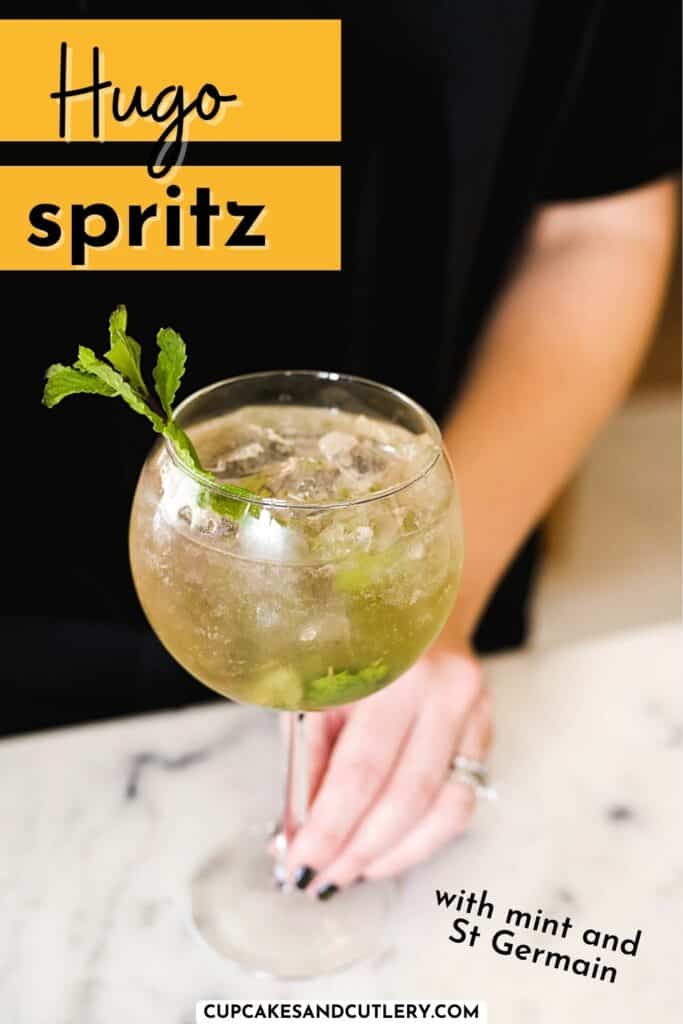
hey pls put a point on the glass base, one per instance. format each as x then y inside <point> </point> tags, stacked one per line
<point>240,912</point>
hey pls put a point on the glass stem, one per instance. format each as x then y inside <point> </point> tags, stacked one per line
<point>296,789</point>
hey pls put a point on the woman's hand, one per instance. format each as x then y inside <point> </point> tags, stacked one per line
<point>382,797</point>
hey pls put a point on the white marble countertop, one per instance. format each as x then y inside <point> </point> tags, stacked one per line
<point>103,825</point>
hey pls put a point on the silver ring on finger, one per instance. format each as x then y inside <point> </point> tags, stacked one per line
<point>472,773</point>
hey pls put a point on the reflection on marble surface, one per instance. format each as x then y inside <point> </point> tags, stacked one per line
<point>102,827</point>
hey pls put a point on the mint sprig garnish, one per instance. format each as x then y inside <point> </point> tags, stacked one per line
<point>346,686</point>
<point>121,376</point>
<point>91,366</point>
<point>170,367</point>
<point>124,352</point>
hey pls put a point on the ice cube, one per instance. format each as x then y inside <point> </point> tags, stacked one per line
<point>363,536</point>
<point>328,628</point>
<point>316,485</point>
<point>337,446</point>
<point>276,444</point>
<point>416,550</point>
<point>228,529</point>
<point>267,615</point>
<point>375,430</point>
<point>335,541</point>
<point>242,460</point>
<point>386,525</point>
<point>367,459</point>
<point>257,448</point>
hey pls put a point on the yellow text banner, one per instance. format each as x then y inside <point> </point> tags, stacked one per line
<point>284,77</point>
<point>206,218</point>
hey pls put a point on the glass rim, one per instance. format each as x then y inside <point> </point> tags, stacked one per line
<point>329,375</point>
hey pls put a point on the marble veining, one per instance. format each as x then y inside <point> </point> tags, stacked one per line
<point>102,827</point>
<point>147,759</point>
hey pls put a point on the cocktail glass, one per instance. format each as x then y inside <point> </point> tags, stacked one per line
<point>298,605</point>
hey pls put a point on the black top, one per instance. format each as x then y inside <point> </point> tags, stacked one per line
<point>459,119</point>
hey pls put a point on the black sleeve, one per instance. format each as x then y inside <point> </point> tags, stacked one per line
<point>619,125</point>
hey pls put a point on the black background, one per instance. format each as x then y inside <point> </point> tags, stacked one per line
<point>458,119</point>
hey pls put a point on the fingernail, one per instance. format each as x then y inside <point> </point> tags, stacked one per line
<point>303,875</point>
<point>280,874</point>
<point>327,891</point>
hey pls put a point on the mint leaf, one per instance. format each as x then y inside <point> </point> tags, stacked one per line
<point>221,504</point>
<point>345,686</point>
<point>88,361</point>
<point>223,499</point>
<point>118,320</point>
<point>65,380</point>
<point>169,368</point>
<point>185,449</point>
<point>123,378</point>
<point>124,352</point>
<point>363,570</point>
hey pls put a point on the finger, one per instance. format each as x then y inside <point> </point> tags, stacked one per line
<point>321,732</point>
<point>444,822</point>
<point>361,759</point>
<point>417,780</point>
<point>450,813</point>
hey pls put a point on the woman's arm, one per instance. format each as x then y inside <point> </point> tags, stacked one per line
<point>559,351</point>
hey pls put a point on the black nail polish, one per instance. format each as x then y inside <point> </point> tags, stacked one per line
<point>327,891</point>
<point>303,876</point>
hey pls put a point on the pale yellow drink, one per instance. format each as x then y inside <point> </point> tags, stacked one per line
<point>320,600</point>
